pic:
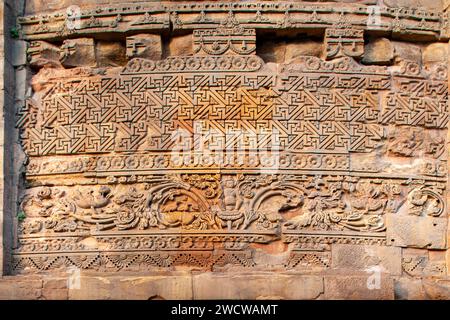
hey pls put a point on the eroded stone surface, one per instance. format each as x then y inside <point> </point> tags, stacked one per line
<point>41,54</point>
<point>181,45</point>
<point>362,258</point>
<point>409,289</point>
<point>357,288</point>
<point>110,54</point>
<point>379,51</point>
<point>144,46</point>
<point>78,53</point>
<point>407,51</point>
<point>297,49</point>
<point>143,288</point>
<point>430,4</point>
<point>437,290</point>
<point>417,232</point>
<point>210,286</point>
<point>27,289</point>
<point>435,53</point>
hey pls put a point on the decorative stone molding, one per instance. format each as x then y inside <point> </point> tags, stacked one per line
<point>257,15</point>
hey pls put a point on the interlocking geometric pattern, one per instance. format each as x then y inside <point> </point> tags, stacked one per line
<point>142,112</point>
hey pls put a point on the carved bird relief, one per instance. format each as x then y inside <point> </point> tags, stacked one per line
<point>91,201</point>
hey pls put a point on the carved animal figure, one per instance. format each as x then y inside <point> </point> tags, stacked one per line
<point>180,212</point>
<point>91,201</point>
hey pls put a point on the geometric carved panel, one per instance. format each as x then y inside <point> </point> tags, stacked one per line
<point>195,160</point>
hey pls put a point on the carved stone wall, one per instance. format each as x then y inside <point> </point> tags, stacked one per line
<point>198,145</point>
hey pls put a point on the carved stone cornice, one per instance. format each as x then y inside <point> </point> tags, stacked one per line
<point>257,15</point>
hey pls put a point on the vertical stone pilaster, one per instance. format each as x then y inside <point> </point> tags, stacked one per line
<point>446,10</point>
<point>2,138</point>
<point>8,134</point>
<point>447,3</point>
